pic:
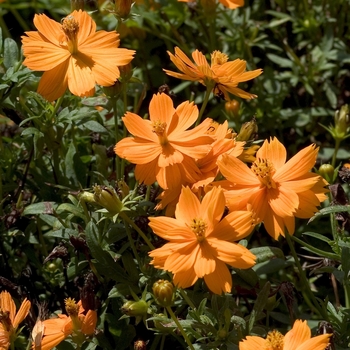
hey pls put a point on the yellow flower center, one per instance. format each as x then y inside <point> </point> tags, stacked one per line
<point>218,58</point>
<point>198,226</point>
<point>72,307</point>
<point>274,341</point>
<point>159,128</point>
<point>264,170</point>
<point>71,28</point>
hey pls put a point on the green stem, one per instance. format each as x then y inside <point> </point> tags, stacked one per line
<point>41,239</point>
<point>187,299</point>
<point>137,229</point>
<point>304,281</point>
<point>205,102</point>
<point>131,241</point>
<point>174,318</point>
<point>116,131</point>
<point>336,148</point>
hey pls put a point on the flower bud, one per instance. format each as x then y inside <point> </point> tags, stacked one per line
<point>248,131</point>
<point>122,8</point>
<point>87,197</point>
<point>342,122</point>
<point>163,291</point>
<point>77,5</point>
<point>107,198</point>
<point>232,108</point>
<point>327,172</point>
<point>123,188</point>
<point>135,308</point>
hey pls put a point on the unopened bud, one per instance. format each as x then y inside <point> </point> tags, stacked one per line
<point>163,291</point>
<point>232,108</point>
<point>87,197</point>
<point>342,122</point>
<point>122,8</point>
<point>248,131</point>
<point>123,187</point>
<point>327,172</point>
<point>107,198</point>
<point>135,308</point>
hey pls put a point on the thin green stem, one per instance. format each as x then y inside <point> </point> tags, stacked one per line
<point>131,242</point>
<point>41,238</point>
<point>174,318</point>
<point>116,131</point>
<point>336,148</point>
<point>304,282</point>
<point>205,102</point>
<point>137,229</point>
<point>187,299</point>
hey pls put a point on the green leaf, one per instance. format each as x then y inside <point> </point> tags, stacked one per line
<point>330,210</point>
<point>95,126</point>
<point>40,208</point>
<point>282,62</point>
<point>259,305</point>
<point>266,253</point>
<point>106,265</point>
<point>11,53</point>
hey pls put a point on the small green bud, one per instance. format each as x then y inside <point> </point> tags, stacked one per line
<point>135,308</point>
<point>163,291</point>
<point>87,197</point>
<point>327,172</point>
<point>107,198</point>
<point>248,131</point>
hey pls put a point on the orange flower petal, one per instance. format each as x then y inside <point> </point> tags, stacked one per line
<point>22,312</point>
<point>48,28</point>
<point>220,281</point>
<point>283,201</point>
<point>188,207</point>
<point>184,258</point>
<point>234,226</point>
<point>89,322</point>
<point>81,81</point>
<point>139,127</point>
<point>205,262</point>
<point>170,229</point>
<point>274,151</point>
<point>301,163</point>
<point>54,82</point>
<point>185,279</point>
<point>139,151</point>
<point>236,171</point>
<point>7,304</point>
<point>87,26</point>
<point>41,55</point>
<point>250,343</point>
<point>161,108</point>
<point>212,207</point>
<point>145,173</point>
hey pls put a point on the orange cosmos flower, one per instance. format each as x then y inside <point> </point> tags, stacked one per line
<point>200,241</point>
<point>298,338</point>
<point>221,75</point>
<point>73,55</point>
<point>207,166</point>
<point>162,148</point>
<point>78,324</point>
<point>276,190</point>
<point>9,319</point>
<point>232,4</point>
